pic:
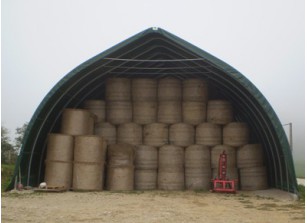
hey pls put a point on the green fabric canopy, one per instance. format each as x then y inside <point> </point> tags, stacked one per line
<point>156,53</point>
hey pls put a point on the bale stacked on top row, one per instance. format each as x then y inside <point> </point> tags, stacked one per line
<point>118,100</point>
<point>167,100</point>
<point>144,100</point>
<point>194,101</point>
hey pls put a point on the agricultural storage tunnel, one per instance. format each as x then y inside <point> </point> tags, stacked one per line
<point>156,53</point>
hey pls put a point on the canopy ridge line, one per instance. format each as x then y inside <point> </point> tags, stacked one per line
<point>150,68</point>
<point>137,60</point>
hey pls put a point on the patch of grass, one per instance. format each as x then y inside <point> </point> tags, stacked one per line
<point>249,206</point>
<point>264,209</point>
<point>243,195</point>
<point>282,209</point>
<point>7,172</point>
<point>245,201</point>
<point>258,197</point>
<point>269,205</point>
<point>127,192</point>
<point>23,194</point>
<point>298,218</point>
<point>301,190</point>
<point>299,166</point>
<point>295,206</point>
<point>201,191</point>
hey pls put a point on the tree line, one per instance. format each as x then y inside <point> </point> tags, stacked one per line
<point>10,150</point>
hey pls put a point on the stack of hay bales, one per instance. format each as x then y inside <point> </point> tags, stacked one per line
<point>146,167</point>
<point>166,134</point>
<point>197,167</point>
<point>171,168</point>
<point>219,114</point>
<point>120,170</point>
<point>249,157</point>
<point>144,100</point>
<point>235,138</point>
<point>253,173</point>
<point>75,157</point>
<point>169,100</point>
<point>59,160</point>
<point>118,101</point>
<point>195,97</point>
<point>197,155</point>
<point>89,161</point>
<point>101,127</point>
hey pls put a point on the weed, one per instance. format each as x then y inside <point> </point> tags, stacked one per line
<point>301,191</point>
<point>269,205</point>
<point>298,218</point>
<point>295,206</point>
<point>249,206</point>
<point>7,172</point>
<point>245,201</point>
<point>19,194</point>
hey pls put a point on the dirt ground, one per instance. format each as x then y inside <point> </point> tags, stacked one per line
<point>149,206</point>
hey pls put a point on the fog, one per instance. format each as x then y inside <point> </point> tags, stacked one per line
<point>43,40</point>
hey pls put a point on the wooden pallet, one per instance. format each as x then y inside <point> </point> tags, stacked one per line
<point>57,189</point>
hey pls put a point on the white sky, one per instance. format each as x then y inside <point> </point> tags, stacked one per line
<point>43,40</point>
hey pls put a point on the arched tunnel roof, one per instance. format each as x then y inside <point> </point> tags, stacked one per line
<point>156,53</point>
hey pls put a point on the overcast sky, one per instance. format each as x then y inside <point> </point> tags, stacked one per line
<point>43,40</point>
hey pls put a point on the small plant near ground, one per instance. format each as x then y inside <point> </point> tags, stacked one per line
<point>301,191</point>
<point>7,171</point>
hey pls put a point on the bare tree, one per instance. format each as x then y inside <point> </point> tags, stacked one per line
<point>20,132</point>
<point>8,153</point>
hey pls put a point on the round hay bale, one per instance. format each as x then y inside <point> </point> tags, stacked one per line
<point>145,112</point>
<point>169,89</point>
<point>146,157</point>
<point>194,112</point>
<point>219,112</point>
<point>144,89</point>
<point>236,134</point>
<point>107,131</point>
<point>130,133</point>
<point>181,134</point>
<point>208,134</point>
<point>118,89</point>
<point>250,155</point>
<point>155,134</point>
<point>194,89</point>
